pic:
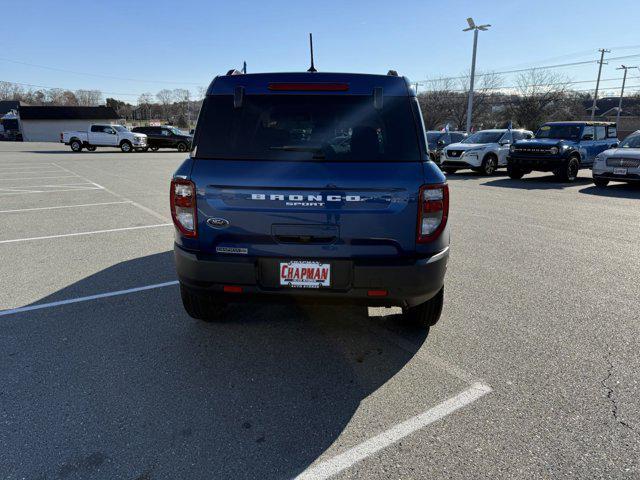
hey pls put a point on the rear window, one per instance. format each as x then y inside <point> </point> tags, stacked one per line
<point>307,127</point>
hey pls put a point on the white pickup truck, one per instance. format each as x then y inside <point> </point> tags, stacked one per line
<point>102,135</point>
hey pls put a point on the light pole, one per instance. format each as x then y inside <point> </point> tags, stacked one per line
<point>624,80</point>
<point>475,28</point>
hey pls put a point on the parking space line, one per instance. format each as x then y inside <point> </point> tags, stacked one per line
<point>136,204</point>
<point>22,172</point>
<point>123,229</point>
<point>63,206</point>
<point>87,298</point>
<point>38,178</point>
<point>27,192</point>
<point>337,464</point>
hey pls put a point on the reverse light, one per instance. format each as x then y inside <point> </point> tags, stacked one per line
<point>433,211</point>
<point>183,206</point>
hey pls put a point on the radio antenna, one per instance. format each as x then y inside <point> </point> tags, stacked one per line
<point>312,68</point>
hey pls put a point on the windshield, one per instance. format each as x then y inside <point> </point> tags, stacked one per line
<point>307,127</point>
<point>177,131</point>
<point>433,137</point>
<point>632,141</point>
<point>120,128</point>
<point>483,137</point>
<point>563,132</point>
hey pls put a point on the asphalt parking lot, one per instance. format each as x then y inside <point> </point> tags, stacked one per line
<point>532,371</point>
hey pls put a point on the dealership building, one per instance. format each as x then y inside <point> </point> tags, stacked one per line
<point>45,123</point>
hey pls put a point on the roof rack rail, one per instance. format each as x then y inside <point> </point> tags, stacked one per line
<point>392,73</point>
<point>233,71</point>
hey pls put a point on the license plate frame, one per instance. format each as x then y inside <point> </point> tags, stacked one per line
<point>304,274</point>
<point>620,171</point>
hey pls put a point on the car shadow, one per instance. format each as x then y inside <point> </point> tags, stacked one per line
<point>131,387</point>
<point>619,190</point>
<point>474,175</point>
<point>547,182</point>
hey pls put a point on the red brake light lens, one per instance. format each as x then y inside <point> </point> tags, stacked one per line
<point>433,211</point>
<point>309,87</point>
<point>183,206</point>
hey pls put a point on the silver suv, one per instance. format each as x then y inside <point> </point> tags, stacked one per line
<point>621,164</point>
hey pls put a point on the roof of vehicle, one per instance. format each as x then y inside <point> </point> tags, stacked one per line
<point>579,122</point>
<point>68,113</point>
<point>357,83</point>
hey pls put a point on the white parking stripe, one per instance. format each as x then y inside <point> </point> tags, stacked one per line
<point>29,171</point>
<point>136,204</point>
<point>85,299</point>
<point>37,178</point>
<point>30,239</point>
<point>28,192</point>
<point>62,206</point>
<point>337,464</point>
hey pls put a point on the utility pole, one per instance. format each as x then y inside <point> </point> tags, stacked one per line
<point>416,84</point>
<point>475,28</point>
<point>595,96</point>
<point>624,80</point>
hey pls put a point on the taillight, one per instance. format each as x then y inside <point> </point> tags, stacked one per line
<point>433,210</point>
<point>183,206</point>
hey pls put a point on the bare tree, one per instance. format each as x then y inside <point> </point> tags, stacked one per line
<point>89,97</point>
<point>183,96</point>
<point>165,97</point>
<point>485,86</point>
<point>436,101</point>
<point>538,95</point>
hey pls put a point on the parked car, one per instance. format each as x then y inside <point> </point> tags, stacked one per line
<point>621,164</point>
<point>103,135</point>
<point>166,137</point>
<point>484,151</point>
<point>437,140</point>
<point>262,211</point>
<point>562,148</point>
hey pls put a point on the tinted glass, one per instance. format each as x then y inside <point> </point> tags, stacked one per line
<point>307,127</point>
<point>563,132</point>
<point>484,137</point>
<point>456,137</point>
<point>588,131</point>
<point>632,141</point>
<point>601,132</point>
<point>96,128</point>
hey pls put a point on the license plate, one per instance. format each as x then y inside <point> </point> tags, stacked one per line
<point>300,274</point>
<point>619,171</point>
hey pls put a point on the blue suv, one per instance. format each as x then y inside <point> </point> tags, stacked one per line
<point>314,187</point>
<point>562,148</point>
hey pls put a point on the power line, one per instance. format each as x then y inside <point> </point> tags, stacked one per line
<point>98,75</point>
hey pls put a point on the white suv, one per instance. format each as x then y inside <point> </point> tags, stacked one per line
<point>484,151</point>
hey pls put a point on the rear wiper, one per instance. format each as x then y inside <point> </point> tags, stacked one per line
<point>317,151</point>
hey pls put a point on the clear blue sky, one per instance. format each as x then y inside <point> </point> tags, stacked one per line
<point>189,42</point>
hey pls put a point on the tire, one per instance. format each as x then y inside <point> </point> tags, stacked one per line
<point>76,146</point>
<point>569,171</point>
<point>154,149</point>
<point>428,313</point>
<point>145,149</point>
<point>489,165</point>
<point>601,182</point>
<point>91,148</point>
<point>449,170</point>
<point>182,147</point>
<point>514,172</point>
<point>126,146</point>
<point>200,305</point>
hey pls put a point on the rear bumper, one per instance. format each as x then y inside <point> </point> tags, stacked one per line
<point>408,283</point>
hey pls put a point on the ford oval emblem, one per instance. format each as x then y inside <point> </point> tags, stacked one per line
<point>218,222</point>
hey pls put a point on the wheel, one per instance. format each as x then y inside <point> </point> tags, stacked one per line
<point>91,148</point>
<point>489,165</point>
<point>145,149</point>
<point>126,146</point>
<point>450,171</point>
<point>428,313</point>
<point>514,172</point>
<point>200,305</point>
<point>154,149</point>
<point>76,145</point>
<point>569,171</point>
<point>601,182</point>
<point>182,147</point>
